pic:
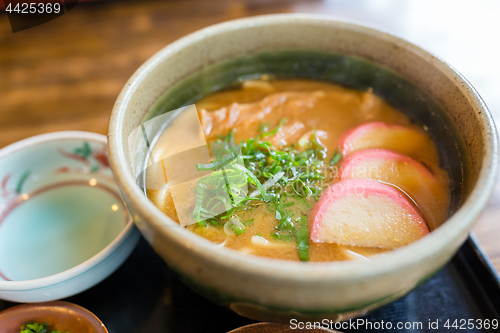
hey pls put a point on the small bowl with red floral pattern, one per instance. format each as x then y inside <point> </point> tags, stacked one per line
<point>63,224</point>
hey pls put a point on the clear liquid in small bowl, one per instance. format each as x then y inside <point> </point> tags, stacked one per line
<point>57,228</point>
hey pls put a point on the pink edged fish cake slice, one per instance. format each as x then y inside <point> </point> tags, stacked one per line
<point>399,138</point>
<point>365,213</point>
<point>430,194</point>
<point>390,167</point>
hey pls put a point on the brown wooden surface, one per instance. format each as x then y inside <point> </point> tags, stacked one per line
<point>66,74</point>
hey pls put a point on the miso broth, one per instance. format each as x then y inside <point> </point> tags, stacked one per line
<point>311,119</point>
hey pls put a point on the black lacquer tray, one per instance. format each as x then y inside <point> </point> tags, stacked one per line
<point>143,296</point>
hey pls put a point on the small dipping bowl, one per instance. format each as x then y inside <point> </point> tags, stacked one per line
<point>63,225</point>
<point>62,316</point>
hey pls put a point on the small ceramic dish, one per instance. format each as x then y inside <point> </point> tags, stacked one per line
<point>62,316</point>
<point>63,225</point>
<point>279,328</point>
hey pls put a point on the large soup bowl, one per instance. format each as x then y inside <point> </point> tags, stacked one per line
<point>427,89</point>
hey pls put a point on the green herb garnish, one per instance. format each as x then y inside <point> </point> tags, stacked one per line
<point>248,222</point>
<point>302,236</point>
<point>237,231</point>
<point>286,238</point>
<point>278,177</point>
<point>274,131</point>
<point>218,164</point>
<point>336,157</point>
<point>37,328</point>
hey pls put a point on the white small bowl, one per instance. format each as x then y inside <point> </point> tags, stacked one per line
<point>63,225</point>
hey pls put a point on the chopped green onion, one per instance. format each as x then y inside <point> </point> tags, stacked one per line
<point>303,142</point>
<point>230,136</point>
<point>286,238</point>
<point>200,189</point>
<point>336,157</point>
<point>218,163</point>
<point>315,140</point>
<point>248,222</point>
<point>285,224</point>
<point>308,191</point>
<point>302,236</point>
<point>274,131</point>
<point>263,127</point>
<point>254,181</point>
<point>267,170</point>
<point>234,227</point>
<point>237,230</point>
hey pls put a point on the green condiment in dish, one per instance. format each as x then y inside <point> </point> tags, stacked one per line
<point>37,328</point>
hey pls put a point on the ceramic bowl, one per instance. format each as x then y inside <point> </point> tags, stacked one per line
<point>62,316</point>
<point>278,328</point>
<point>427,89</point>
<point>63,225</point>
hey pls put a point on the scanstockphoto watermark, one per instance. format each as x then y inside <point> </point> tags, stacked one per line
<point>365,324</point>
<point>354,324</point>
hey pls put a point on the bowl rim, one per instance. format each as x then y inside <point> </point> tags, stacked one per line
<point>85,314</point>
<point>274,269</point>
<point>89,263</point>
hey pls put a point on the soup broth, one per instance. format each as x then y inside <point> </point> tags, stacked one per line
<point>352,135</point>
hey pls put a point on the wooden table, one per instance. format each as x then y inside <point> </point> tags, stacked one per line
<point>66,74</point>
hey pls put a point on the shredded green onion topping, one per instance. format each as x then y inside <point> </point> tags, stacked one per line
<point>278,178</point>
